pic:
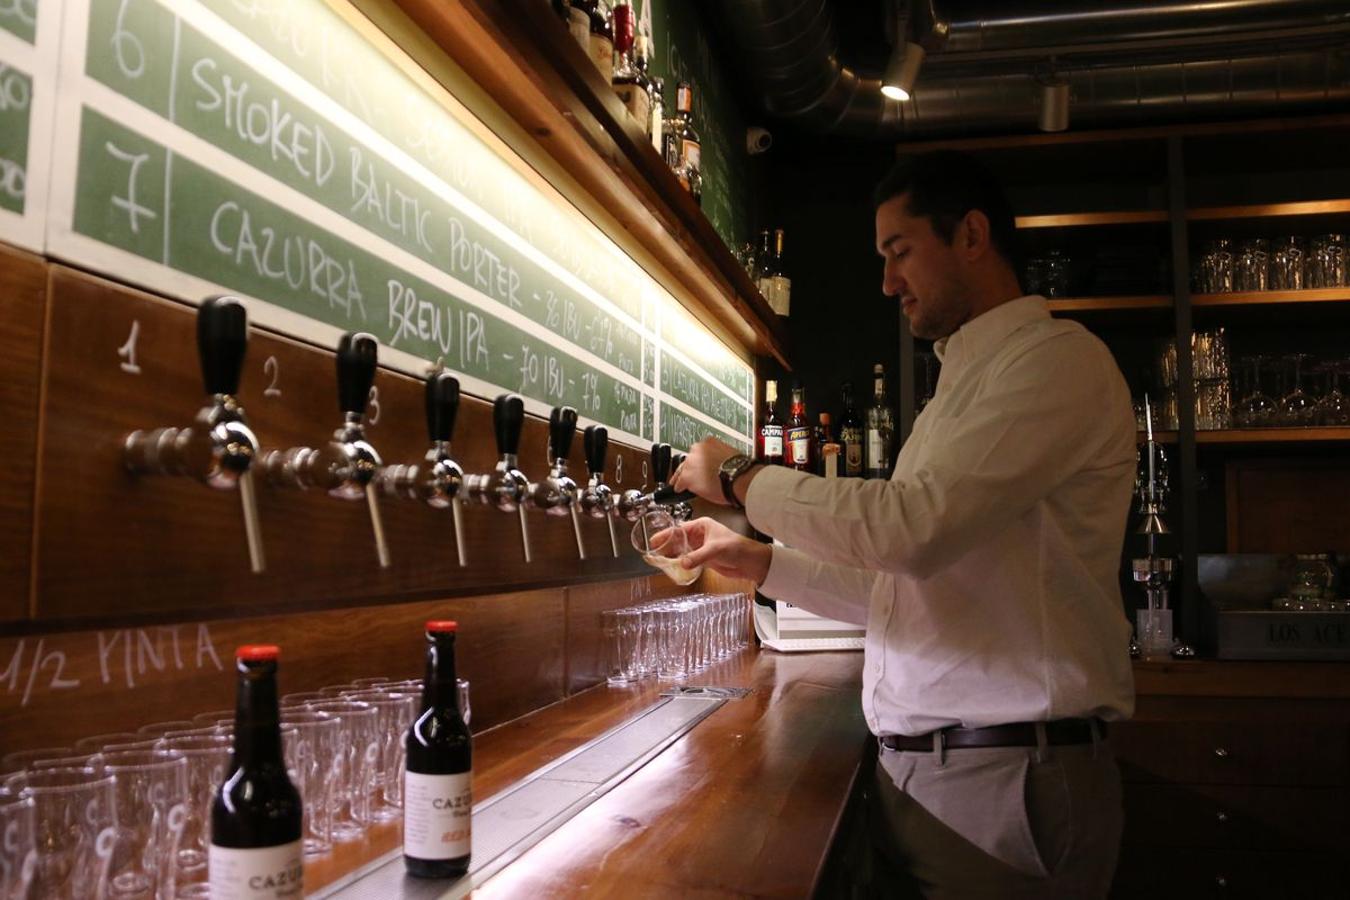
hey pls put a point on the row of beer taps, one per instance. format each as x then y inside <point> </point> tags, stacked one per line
<point>220,449</point>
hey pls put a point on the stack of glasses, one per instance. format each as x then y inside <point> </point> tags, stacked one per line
<point>128,814</point>
<point>1289,263</point>
<point>673,639</point>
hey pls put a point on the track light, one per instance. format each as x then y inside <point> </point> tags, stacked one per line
<point>902,71</point>
<point>1054,105</point>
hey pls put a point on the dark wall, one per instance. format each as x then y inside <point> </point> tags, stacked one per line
<point>840,324</point>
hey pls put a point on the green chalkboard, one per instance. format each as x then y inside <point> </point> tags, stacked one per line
<point>19,18</point>
<point>272,149</point>
<point>16,104</point>
<point>682,53</point>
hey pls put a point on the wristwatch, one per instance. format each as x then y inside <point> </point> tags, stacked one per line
<point>733,467</point>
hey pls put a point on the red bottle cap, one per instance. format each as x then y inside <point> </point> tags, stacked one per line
<point>440,626</point>
<point>258,652</point>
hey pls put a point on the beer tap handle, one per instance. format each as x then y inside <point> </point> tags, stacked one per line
<point>442,406</point>
<point>595,441</point>
<point>442,410</point>
<point>357,356</point>
<point>222,340</point>
<point>508,416</point>
<point>676,460</point>
<point>661,463</point>
<point>562,427</point>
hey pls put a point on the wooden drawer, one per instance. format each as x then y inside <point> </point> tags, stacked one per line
<point>1150,874</point>
<point>1290,753</point>
<point>1237,817</point>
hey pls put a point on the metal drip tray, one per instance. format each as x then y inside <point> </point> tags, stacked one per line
<point>513,821</point>
<point>707,693</point>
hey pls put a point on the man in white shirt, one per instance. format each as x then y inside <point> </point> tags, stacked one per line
<point>985,569</point>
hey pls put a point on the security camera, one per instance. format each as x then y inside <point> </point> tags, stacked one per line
<point>757,140</point>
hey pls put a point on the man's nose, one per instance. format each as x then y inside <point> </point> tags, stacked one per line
<point>892,283</point>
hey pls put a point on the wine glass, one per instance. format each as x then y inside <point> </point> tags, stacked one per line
<point>1296,407</point>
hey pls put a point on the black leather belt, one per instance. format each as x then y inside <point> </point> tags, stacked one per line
<point>1014,734</point>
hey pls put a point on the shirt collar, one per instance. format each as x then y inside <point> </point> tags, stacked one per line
<point>982,334</point>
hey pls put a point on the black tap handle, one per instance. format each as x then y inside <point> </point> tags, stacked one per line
<point>562,427</point>
<point>357,356</point>
<point>508,415</point>
<point>595,439</point>
<point>676,459</point>
<point>442,405</point>
<point>222,339</point>
<point>661,463</point>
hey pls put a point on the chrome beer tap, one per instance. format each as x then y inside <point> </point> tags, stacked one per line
<point>439,480</point>
<point>681,508</point>
<point>218,448</point>
<point>598,499</point>
<point>346,466</point>
<point>557,494</point>
<point>506,487</point>
<point>634,502</point>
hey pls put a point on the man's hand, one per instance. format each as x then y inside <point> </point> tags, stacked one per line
<point>700,470</point>
<point>716,546</point>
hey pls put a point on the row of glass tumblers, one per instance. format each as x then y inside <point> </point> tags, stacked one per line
<point>127,815</point>
<point>673,638</point>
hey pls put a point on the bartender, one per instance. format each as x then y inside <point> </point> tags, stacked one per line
<point>985,569</point>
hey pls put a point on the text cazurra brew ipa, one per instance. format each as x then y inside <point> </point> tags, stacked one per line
<point>438,791</point>
<point>256,852</point>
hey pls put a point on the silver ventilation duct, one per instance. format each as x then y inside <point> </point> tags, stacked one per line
<point>1125,64</point>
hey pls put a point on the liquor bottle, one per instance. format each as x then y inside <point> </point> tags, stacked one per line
<point>602,38</point>
<point>630,81</point>
<point>827,449</point>
<point>683,150</point>
<point>780,284</point>
<point>579,23</point>
<point>437,791</point>
<point>764,267</point>
<point>256,850</point>
<point>851,436</point>
<point>771,431</point>
<point>797,435</point>
<point>658,128</point>
<point>879,429</point>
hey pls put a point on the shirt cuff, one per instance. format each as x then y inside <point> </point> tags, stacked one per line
<point>767,493</point>
<point>788,570</point>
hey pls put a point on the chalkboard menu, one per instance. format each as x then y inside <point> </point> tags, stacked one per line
<point>287,151</point>
<point>29,39</point>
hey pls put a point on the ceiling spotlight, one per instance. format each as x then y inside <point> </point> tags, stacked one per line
<point>902,71</point>
<point>1054,105</point>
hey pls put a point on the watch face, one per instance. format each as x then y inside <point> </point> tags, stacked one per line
<point>735,465</point>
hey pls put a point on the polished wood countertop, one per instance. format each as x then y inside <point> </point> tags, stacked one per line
<point>745,804</point>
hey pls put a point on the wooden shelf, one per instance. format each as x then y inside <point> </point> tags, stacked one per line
<point>1078,220</point>
<point>1269,210</point>
<point>1104,304</point>
<point>1161,437</point>
<point>1272,435</point>
<point>1256,298</point>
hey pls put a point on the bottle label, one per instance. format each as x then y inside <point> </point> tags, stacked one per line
<point>853,451</point>
<point>437,815</point>
<point>579,23</point>
<point>602,52</point>
<point>877,451</point>
<point>782,295</point>
<point>638,103</point>
<point>773,444</point>
<point>799,446</point>
<point>691,153</point>
<point>256,873</point>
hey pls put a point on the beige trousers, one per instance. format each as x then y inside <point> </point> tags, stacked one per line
<point>999,822</point>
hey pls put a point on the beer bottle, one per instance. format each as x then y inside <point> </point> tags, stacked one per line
<point>437,793</point>
<point>256,851</point>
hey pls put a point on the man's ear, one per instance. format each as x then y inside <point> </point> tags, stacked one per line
<point>974,234</point>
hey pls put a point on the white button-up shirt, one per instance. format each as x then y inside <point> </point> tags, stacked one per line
<point>986,569</point>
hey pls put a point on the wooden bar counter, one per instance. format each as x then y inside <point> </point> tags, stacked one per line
<point>744,804</point>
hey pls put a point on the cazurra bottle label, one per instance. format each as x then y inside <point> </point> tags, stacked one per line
<point>437,815</point>
<point>258,873</point>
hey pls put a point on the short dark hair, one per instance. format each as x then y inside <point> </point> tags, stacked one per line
<point>944,185</point>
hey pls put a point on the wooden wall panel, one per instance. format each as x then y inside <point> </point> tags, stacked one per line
<point>1288,506</point>
<point>23,288</point>
<point>56,688</point>
<point>112,545</point>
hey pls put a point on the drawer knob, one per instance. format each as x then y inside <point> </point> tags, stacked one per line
<point>1221,752</point>
<point>1223,817</point>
